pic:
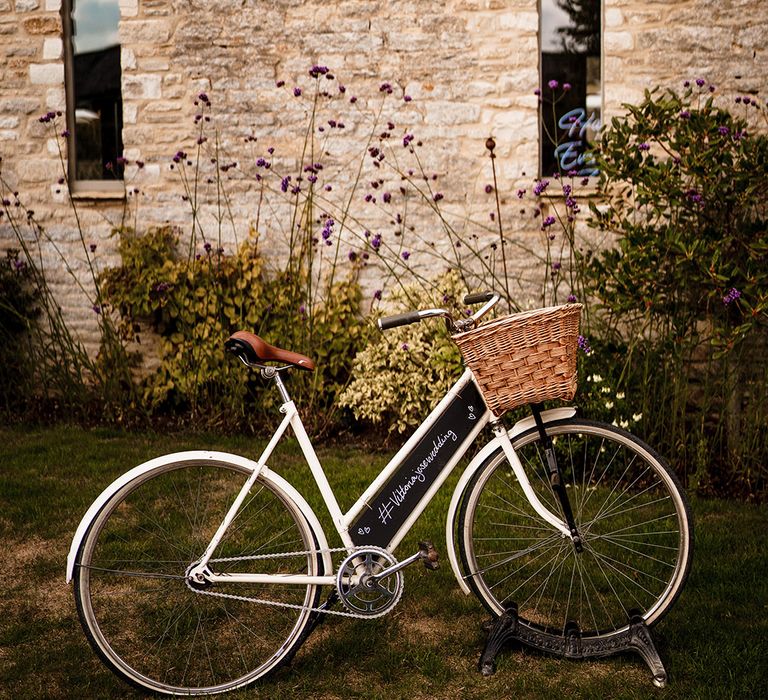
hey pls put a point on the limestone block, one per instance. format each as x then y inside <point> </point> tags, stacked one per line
<point>56,99</point>
<point>614,17</point>
<point>46,73</point>
<point>130,113</point>
<point>129,8</point>
<point>150,31</point>
<point>615,42</point>
<point>42,25</point>
<point>9,122</point>
<point>143,86</point>
<point>127,58</point>
<point>52,49</point>
<point>27,5</point>
<point>37,170</point>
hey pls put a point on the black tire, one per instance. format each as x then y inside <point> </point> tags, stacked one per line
<point>630,511</point>
<point>131,591</point>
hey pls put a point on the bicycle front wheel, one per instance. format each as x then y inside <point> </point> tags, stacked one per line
<point>138,611</point>
<point>629,509</point>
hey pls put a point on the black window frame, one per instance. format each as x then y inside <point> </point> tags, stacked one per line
<point>564,139</point>
<point>98,67</point>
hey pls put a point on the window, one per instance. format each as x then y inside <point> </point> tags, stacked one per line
<point>571,92</point>
<point>94,100</point>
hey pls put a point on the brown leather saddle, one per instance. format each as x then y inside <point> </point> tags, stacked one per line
<point>255,351</point>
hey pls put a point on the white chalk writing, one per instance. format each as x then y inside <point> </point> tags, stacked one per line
<point>400,493</point>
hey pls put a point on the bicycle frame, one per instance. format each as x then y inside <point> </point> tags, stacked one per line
<point>376,499</point>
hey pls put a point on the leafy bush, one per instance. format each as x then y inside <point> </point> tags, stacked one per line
<point>402,373</point>
<point>684,290</point>
<point>194,304</point>
<point>19,307</point>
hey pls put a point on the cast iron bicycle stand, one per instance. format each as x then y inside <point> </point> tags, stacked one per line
<point>571,645</point>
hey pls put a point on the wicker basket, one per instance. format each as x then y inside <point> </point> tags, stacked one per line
<point>524,358</point>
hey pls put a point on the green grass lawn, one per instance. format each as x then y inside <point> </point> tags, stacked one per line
<point>713,642</point>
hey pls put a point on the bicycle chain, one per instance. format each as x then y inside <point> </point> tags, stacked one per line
<point>249,599</point>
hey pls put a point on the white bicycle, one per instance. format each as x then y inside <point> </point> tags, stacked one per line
<point>200,572</point>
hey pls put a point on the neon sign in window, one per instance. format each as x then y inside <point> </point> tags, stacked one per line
<point>571,91</point>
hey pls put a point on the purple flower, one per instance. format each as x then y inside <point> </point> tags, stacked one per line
<point>284,183</point>
<point>548,222</point>
<point>404,346</point>
<point>583,344</point>
<point>537,91</point>
<point>407,140</point>
<point>553,84</point>
<point>438,196</point>
<point>556,266</point>
<point>541,186</point>
<point>685,114</point>
<point>700,82</point>
<point>643,147</point>
<point>520,194</point>
<point>572,299</point>
<point>328,228</point>
<point>297,92</point>
<point>488,189</point>
<point>96,309</point>
<point>723,130</point>
<point>567,86</point>
<point>407,98</point>
<point>376,241</point>
<point>92,247</point>
<point>377,294</point>
<point>406,255</point>
<point>731,295</point>
<point>207,246</point>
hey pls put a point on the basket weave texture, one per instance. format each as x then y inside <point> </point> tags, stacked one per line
<point>523,358</point>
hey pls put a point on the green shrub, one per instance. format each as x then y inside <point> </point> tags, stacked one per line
<point>683,292</point>
<point>19,308</point>
<point>402,373</point>
<point>194,304</point>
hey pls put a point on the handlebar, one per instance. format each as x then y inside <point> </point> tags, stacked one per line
<point>454,325</point>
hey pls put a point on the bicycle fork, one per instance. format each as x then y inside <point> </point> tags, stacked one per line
<point>556,478</point>
<point>568,527</point>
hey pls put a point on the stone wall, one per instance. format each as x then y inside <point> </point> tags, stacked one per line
<point>470,67</point>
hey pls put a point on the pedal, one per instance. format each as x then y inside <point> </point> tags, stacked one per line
<point>428,555</point>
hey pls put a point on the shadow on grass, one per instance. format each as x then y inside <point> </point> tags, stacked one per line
<point>713,642</point>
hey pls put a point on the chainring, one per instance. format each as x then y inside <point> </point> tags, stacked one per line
<point>359,592</point>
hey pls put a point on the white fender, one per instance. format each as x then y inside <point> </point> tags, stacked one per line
<point>274,479</point>
<point>518,428</point>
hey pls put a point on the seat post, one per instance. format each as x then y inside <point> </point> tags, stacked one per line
<point>274,375</point>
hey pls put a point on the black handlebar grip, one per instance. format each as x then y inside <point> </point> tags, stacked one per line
<point>478,298</point>
<point>398,320</point>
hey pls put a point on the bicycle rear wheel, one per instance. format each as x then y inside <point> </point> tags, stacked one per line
<point>133,598</point>
<point>630,511</point>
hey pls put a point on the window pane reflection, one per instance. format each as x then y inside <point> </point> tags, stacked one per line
<point>98,106</point>
<point>571,102</point>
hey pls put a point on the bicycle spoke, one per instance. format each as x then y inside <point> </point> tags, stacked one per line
<point>627,510</point>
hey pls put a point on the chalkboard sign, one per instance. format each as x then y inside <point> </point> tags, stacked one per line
<point>397,499</point>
